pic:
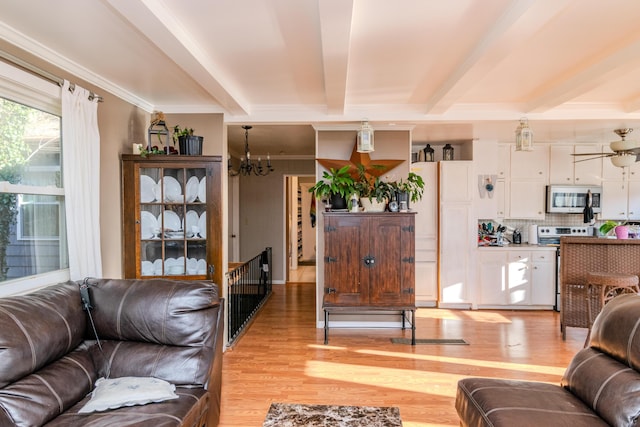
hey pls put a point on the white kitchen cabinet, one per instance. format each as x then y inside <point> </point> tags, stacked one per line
<point>530,165</point>
<point>529,174</point>
<point>516,278</point>
<point>543,278</point>
<point>458,233</point>
<point>456,183</point>
<point>504,160</point>
<point>426,232</point>
<point>527,199</point>
<point>564,170</point>
<point>620,200</point>
<point>492,277</point>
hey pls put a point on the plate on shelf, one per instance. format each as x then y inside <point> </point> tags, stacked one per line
<point>172,189</point>
<point>192,266</point>
<point>157,267</point>
<point>202,225</point>
<point>148,224</point>
<point>201,267</point>
<point>147,189</point>
<point>147,268</point>
<point>191,189</point>
<point>191,221</point>
<point>171,221</point>
<point>202,190</point>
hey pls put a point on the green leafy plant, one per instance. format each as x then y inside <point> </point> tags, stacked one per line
<point>372,187</point>
<point>609,225</point>
<point>413,186</point>
<point>334,182</point>
<point>181,132</point>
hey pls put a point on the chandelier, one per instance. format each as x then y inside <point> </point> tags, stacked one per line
<point>247,166</point>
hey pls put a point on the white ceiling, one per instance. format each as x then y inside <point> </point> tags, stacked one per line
<point>456,70</point>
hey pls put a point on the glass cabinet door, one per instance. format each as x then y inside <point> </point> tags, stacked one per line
<point>173,221</point>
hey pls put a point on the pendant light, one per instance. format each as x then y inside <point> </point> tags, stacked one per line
<point>365,138</point>
<point>524,136</point>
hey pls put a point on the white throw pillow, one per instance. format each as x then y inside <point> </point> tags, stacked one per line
<point>128,391</point>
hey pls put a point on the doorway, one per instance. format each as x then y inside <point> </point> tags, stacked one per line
<point>300,229</point>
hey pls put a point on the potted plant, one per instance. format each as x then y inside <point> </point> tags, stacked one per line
<point>190,144</point>
<point>620,229</point>
<point>334,187</point>
<point>409,190</point>
<point>374,193</point>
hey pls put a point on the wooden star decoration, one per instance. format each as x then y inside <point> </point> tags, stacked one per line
<point>372,168</point>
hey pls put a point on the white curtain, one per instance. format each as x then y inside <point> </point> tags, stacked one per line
<point>81,170</point>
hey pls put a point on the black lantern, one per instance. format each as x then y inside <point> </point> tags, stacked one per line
<point>447,152</point>
<point>428,153</point>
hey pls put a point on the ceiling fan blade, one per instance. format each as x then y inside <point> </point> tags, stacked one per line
<point>599,156</point>
<point>594,154</point>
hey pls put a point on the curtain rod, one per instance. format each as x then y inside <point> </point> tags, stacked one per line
<point>14,60</point>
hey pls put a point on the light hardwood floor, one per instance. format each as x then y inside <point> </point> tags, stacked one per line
<point>282,358</point>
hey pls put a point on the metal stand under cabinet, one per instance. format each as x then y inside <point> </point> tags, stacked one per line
<point>369,264</point>
<point>171,213</point>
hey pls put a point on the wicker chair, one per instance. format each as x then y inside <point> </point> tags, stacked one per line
<point>578,259</point>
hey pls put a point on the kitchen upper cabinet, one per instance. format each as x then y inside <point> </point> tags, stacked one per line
<point>530,165</point>
<point>621,200</point>
<point>504,160</point>
<point>527,199</point>
<point>456,181</point>
<point>563,168</point>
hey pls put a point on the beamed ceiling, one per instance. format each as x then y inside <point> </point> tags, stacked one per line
<point>454,70</point>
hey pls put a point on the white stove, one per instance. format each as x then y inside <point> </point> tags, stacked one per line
<point>549,235</point>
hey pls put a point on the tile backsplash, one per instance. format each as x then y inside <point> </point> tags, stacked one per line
<point>550,219</point>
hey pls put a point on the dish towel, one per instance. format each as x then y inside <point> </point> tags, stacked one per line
<point>588,209</point>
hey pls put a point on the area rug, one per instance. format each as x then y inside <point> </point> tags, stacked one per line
<point>429,341</point>
<point>294,415</point>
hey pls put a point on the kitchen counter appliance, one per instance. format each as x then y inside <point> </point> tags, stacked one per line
<point>549,235</point>
<point>572,198</point>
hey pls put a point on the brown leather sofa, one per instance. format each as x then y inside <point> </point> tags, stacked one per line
<point>50,360</point>
<point>601,386</point>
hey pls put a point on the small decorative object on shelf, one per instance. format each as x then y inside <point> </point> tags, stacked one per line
<point>447,152</point>
<point>428,153</point>
<point>158,128</point>
<point>189,144</point>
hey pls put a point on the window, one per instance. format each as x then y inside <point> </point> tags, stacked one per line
<point>33,248</point>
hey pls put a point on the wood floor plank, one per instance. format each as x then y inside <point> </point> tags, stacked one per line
<point>282,358</point>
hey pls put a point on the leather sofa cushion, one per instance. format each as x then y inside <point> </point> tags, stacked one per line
<point>177,365</point>
<point>189,410</point>
<point>45,394</point>
<point>488,402</point>
<point>157,311</point>
<point>27,341</point>
<point>616,330</point>
<point>609,387</point>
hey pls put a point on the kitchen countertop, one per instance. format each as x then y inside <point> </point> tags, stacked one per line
<point>523,246</point>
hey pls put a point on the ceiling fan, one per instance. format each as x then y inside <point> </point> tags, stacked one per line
<point>625,153</point>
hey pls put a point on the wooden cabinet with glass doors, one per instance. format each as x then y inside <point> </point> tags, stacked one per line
<point>171,213</point>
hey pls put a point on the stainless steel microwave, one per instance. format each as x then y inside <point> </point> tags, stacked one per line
<point>572,198</point>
